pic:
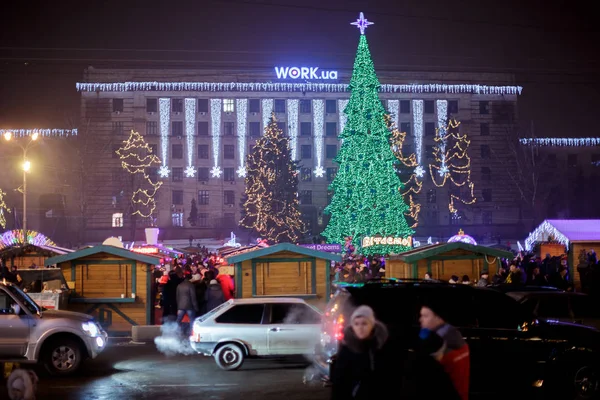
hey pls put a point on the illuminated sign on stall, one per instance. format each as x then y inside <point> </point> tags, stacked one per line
<point>389,240</point>
<point>304,73</point>
<point>145,250</point>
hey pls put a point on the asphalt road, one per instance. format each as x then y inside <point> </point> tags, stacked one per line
<point>138,371</point>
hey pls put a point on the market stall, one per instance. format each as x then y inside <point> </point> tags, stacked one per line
<point>111,283</point>
<point>46,286</point>
<point>444,260</point>
<point>27,254</point>
<point>282,270</point>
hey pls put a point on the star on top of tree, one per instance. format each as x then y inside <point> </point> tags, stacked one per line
<point>362,23</point>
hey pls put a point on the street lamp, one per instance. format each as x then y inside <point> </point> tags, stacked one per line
<point>26,167</point>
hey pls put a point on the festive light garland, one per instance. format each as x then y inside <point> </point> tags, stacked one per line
<point>442,117</point>
<point>15,238</point>
<point>292,117</point>
<point>271,207</point>
<point>291,87</point>
<point>241,123</point>
<point>3,209</point>
<point>215,119</point>
<point>342,104</point>
<point>267,110</point>
<point>560,142</point>
<point>394,110</point>
<point>319,125</point>
<point>136,156</point>
<point>19,133</point>
<point>462,238</point>
<point>190,130</point>
<point>543,232</point>
<point>417,109</point>
<point>164,105</point>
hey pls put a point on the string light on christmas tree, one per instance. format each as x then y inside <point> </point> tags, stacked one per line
<point>164,108</point>
<point>215,119</point>
<point>241,121</point>
<point>3,209</point>
<point>190,130</point>
<point>136,157</point>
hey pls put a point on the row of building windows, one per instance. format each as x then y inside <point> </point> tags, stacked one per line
<point>177,174</point>
<point>304,196</point>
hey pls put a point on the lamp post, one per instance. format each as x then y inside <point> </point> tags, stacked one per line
<point>26,167</point>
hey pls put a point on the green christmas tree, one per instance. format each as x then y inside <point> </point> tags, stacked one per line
<point>367,197</point>
<point>271,208</point>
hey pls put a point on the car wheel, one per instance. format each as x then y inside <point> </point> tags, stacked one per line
<point>586,382</point>
<point>62,357</point>
<point>229,357</point>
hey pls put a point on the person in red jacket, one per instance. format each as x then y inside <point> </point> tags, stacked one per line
<point>226,285</point>
<point>455,360</point>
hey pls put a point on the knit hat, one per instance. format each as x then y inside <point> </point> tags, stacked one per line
<point>365,312</point>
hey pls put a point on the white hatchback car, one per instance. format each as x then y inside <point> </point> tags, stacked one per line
<point>242,328</point>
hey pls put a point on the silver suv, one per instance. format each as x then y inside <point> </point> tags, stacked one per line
<point>60,340</point>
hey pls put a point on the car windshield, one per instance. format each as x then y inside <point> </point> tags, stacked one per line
<point>23,298</point>
<point>215,310</point>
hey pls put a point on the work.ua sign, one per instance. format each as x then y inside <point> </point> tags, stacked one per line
<point>304,73</point>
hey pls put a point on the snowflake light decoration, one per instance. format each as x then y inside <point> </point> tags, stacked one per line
<point>319,172</point>
<point>190,172</point>
<point>163,171</point>
<point>443,171</point>
<point>241,171</point>
<point>420,171</point>
<point>216,172</point>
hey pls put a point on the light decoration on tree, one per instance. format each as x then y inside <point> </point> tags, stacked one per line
<point>19,133</point>
<point>241,123</point>
<point>190,130</point>
<point>342,104</point>
<point>362,23</point>
<point>215,119</point>
<point>319,125</point>
<point>417,109</point>
<point>461,237</point>
<point>232,242</point>
<point>15,238</point>
<point>136,157</point>
<point>367,202</point>
<point>453,163</point>
<point>271,207</point>
<point>292,118</point>
<point>561,142</point>
<point>3,209</point>
<point>544,232</point>
<point>267,110</point>
<point>307,87</point>
<point>164,108</point>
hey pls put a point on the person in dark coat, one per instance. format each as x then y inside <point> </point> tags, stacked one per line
<point>170,294</point>
<point>365,359</point>
<point>187,303</point>
<point>214,295</point>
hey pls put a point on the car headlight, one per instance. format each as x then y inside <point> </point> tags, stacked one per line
<point>90,328</point>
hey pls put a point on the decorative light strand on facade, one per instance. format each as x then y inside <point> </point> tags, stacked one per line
<point>190,130</point>
<point>164,105</point>
<point>215,120</point>
<point>292,117</point>
<point>342,103</point>
<point>394,110</point>
<point>544,232</point>
<point>290,87</point>
<point>417,109</point>
<point>561,142</point>
<point>267,110</point>
<point>442,117</point>
<point>40,131</point>
<point>318,106</point>
<point>241,123</point>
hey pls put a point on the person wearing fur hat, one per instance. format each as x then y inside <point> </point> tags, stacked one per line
<point>22,385</point>
<point>364,359</point>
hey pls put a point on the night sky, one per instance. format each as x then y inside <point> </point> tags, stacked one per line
<point>552,47</point>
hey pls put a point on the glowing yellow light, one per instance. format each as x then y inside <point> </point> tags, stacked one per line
<point>26,166</point>
<point>7,135</point>
<point>35,136</point>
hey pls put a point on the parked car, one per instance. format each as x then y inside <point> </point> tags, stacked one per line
<point>262,327</point>
<point>571,307</point>
<point>60,340</point>
<point>511,351</point>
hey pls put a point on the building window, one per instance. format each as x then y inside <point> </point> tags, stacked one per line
<point>572,160</point>
<point>486,174</point>
<point>229,220</point>
<point>306,197</point>
<point>177,151</point>
<point>305,106</point>
<point>429,152</point>
<point>486,217</point>
<point>177,174</point>
<point>177,105</point>
<point>404,106</point>
<point>228,197</point>
<point>305,129</point>
<point>330,106</point>
<point>117,105</point>
<point>432,218</point>
<point>486,195</point>
<point>203,128</point>
<point>331,129</point>
<point>452,107</point>
<point>484,129</point>
<point>203,174</point>
<point>305,152</point>
<point>154,148</point>
<point>407,150</point>
<point>405,127</point>
<point>484,107</point>
<point>203,197</point>
<point>331,173</point>
<point>331,151</point>
<point>202,105</point>
<point>429,107</point>
<point>153,173</point>
<point>117,220</point>
<point>254,106</point>
<point>485,151</point>
<point>203,220</point>
<point>254,129</point>
<point>117,127</point>
<point>305,175</point>
<point>228,128</point>
<point>177,197</point>
<point>177,218</point>
<point>203,151</point>
<point>431,196</point>
<point>429,128</point>
<point>279,106</point>
<point>228,174</point>
<point>151,105</point>
<point>282,126</point>
<point>177,128</point>
<point>229,152</point>
<point>228,105</point>
<point>152,128</point>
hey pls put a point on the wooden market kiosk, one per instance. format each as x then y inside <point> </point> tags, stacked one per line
<point>111,283</point>
<point>444,260</point>
<point>283,270</point>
